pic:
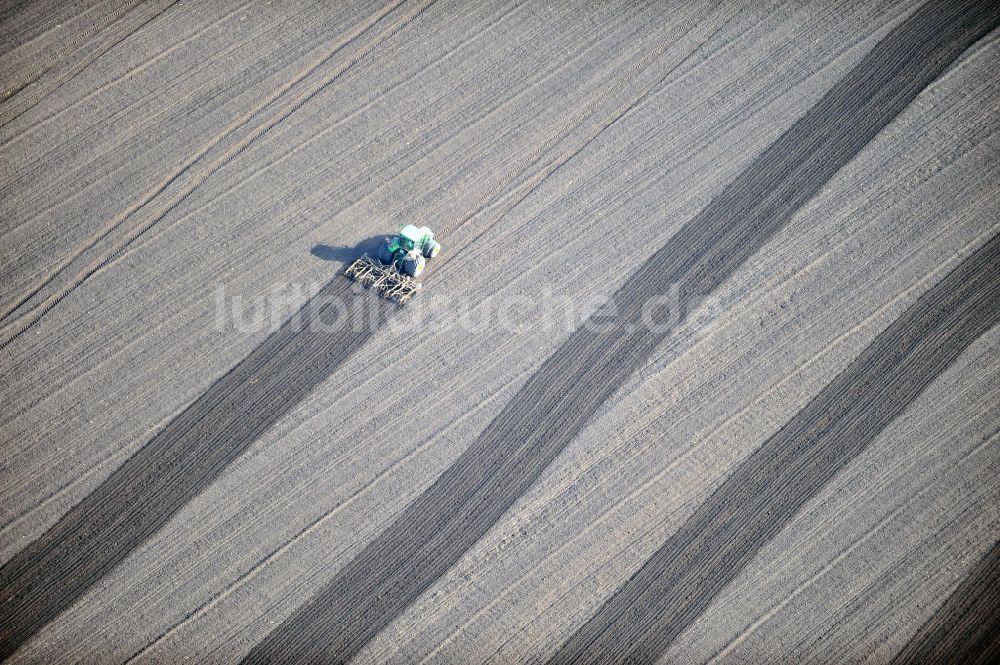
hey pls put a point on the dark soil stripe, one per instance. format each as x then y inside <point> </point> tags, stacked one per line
<point>764,492</point>
<point>552,407</point>
<point>966,629</point>
<point>178,463</point>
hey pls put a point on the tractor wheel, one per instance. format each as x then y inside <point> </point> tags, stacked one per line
<point>431,248</point>
<point>384,254</point>
<point>413,265</point>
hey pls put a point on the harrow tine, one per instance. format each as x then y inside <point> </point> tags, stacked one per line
<point>387,281</point>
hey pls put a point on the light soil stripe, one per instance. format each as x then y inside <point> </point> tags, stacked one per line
<point>966,628</point>
<point>552,407</point>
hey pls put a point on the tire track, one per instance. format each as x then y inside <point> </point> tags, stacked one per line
<point>181,460</point>
<point>141,67</point>
<point>496,194</point>
<point>680,580</point>
<point>468,498</point>
<point>966,628</point>
<point>503,203</point>
<point>15,105</point>
<point>15,325</point>
<point>589,111</point>
<point>46,20</point>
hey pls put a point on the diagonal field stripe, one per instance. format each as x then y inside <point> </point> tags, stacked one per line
<point>680,580</point>
<point>179,462</point>
<point>469,497</point>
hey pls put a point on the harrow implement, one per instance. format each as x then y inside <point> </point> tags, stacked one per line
<point>385,279</point>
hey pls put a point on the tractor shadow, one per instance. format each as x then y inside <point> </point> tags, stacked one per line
<point>345,253</point>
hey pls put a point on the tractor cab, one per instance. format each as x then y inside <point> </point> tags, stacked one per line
<point>411,237</point>
<point>409,250</point>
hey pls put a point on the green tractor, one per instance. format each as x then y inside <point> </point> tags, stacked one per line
<point>409,250</point>
<point>398,261</point>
